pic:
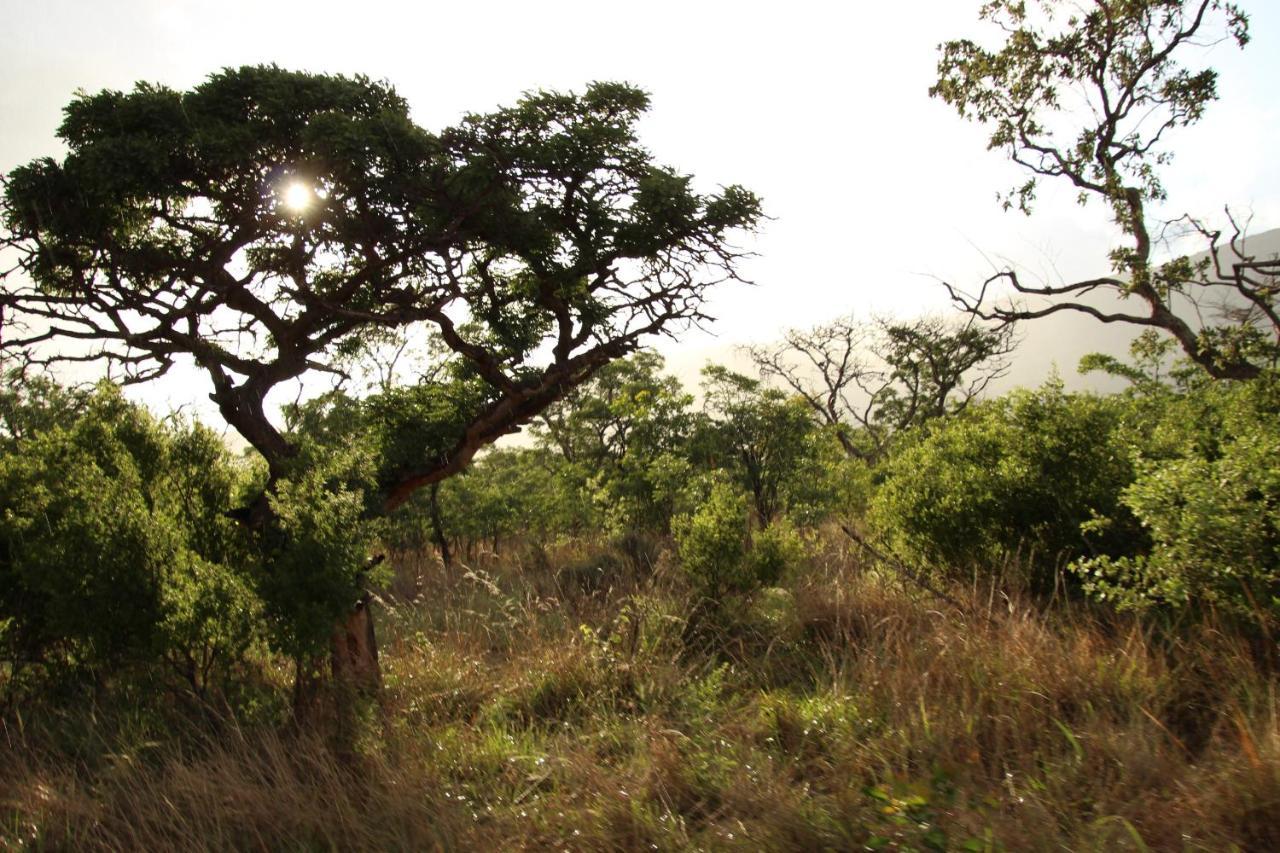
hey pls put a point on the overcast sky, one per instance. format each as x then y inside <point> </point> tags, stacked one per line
<point>819,107</point>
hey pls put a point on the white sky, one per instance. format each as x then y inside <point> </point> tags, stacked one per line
<point>819,107</point>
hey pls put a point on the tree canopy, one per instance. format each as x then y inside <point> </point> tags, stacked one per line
<point>268,224</point>
<point>871,381</point>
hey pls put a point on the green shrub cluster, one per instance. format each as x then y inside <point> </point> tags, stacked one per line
<point>115,546</point>
<point>712,542</point>
<point>1207,492</point>
<point>1166,496</point>
<point>1016,475</point>
<point>721,554</point>
<point>123,542</point>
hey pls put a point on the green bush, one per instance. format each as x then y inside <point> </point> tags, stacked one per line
<point>1208,494</point>
<point>319,547</point>
<point>711,542</point>
<point>115,546</point>
<point>1016,475</point>
<point>775,550</point>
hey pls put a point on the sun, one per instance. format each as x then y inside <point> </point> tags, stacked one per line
<point>297,196</point>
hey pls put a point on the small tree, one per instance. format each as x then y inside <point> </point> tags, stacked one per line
<point>712,541</point>
<point>626,434</point>
<point>766,440</point>
<point>1151,370</point>
<point>1121,59</point>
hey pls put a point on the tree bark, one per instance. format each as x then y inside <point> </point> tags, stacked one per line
<point>354,652</point>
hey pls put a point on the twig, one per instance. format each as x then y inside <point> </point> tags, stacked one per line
<point>907,571</point>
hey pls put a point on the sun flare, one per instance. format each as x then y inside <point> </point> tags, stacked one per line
<point>297,196</point>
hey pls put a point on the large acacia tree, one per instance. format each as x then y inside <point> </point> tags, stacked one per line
<point>269,224</point>
<point>268,221</point>
<point>1088,93</point>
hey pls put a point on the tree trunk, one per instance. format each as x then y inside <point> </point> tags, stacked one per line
<point>354,653</point>
<point>354,674</point>
<point>437,527</point>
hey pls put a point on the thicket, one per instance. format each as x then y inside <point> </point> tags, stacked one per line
<point>115,546</point>
<point>618,576</point>
<point>121,546</point>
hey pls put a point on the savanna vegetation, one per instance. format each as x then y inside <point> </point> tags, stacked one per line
<point>847,600</point>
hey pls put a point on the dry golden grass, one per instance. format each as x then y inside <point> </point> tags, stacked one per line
<point>527,709</point>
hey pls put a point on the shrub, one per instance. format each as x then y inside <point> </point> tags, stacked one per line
<point>1021,473</point>
<point>1208,494</point>
<point>115,546</point>
<point>711,542</point>
<point>774,551</point>
<point>320,541</point>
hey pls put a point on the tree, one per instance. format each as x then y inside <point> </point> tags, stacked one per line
<point>1121,59</point>
<point>626,433</point>
<point>767,440</point>
<point>870,381</point>
<point>268,223</point>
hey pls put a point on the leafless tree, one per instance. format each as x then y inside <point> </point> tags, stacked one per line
<point>870,380</point>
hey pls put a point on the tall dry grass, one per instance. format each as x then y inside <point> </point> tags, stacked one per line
<point>536,703</point>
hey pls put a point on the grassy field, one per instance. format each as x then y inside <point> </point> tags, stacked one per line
<point>579,700</point>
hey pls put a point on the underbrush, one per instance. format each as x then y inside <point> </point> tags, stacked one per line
<point>528,706</point>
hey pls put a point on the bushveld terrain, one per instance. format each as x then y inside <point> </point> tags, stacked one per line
<point>563,699</point>
<point>850,599</point>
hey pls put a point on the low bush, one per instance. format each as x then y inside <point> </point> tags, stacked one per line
<point>1020,474</point>
<point>711,542</point>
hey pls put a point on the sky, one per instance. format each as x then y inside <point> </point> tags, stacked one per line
<point>874,190</point>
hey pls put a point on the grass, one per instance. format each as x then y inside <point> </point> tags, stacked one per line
<point>528,708</point>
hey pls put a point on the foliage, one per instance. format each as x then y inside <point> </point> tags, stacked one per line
<point>317,551</point>
<point>626,435</point>
<point>711,543</point>
<point>516,492</point>
<point>1207,492</point>
<point>1015,475</point>
<point>870,381</point>
<point>31,405</point>
<point>538,231</point>
<point>1122,56</point>
<point>775,550</point>
<point>1149,372</point>
<point>116,547</point>
<point>764,439</point>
